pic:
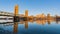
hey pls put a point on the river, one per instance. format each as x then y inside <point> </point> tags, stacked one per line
<point>31,27</point>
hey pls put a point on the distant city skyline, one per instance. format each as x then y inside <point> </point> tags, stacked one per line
<point>33,6</point>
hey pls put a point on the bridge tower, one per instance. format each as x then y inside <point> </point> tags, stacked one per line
<point>26,13</point>
<point>16,17</point>
<point>16,10</point>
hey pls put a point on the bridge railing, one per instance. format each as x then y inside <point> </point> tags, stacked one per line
<point>6,13</point>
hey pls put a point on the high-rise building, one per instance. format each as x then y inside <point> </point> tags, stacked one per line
<point>48,16</point>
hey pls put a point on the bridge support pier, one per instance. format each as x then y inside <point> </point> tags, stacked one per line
<point>16,19</point>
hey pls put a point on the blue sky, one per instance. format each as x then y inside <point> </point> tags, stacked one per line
<point>33,6</point>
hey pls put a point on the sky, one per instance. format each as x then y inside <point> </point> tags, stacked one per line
<point>33,6</point>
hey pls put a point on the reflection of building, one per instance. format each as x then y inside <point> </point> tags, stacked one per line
<point>31,21</point>
<point>48,21</point>
<point>21,22</point>
<point>26,24</point>
<point>41,21</point>
<point>57,22</point>
<point>44,21</point>
<point>15,27</point>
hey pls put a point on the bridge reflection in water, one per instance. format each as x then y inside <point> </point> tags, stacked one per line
<point>16,26</point>
<point>31,21</point>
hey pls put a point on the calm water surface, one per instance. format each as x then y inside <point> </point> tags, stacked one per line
<point>31,27</point>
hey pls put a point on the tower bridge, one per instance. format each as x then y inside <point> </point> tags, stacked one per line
<point>17,16</point>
